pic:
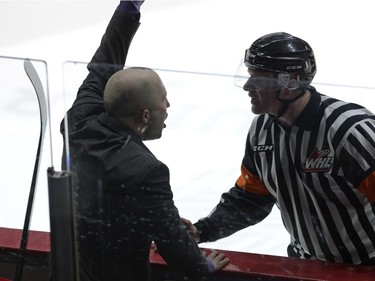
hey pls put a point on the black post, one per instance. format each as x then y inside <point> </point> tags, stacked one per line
<point>63,240</point>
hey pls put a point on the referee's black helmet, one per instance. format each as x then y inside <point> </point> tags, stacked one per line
<point>281,52</point>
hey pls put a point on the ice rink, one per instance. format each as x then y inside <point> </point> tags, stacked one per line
<point>196,46</point>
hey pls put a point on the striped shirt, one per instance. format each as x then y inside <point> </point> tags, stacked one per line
<point>321,172</point>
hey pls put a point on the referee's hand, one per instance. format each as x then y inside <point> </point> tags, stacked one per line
<point>193,231</point>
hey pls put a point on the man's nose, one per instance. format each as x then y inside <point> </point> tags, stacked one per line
<point>249,85</point>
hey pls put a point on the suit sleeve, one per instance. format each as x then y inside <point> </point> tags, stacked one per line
<point>174,243</point>
<point>109,58</point>
<point>245,204</point>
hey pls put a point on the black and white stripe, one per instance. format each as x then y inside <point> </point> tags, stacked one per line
<point>322,209</point>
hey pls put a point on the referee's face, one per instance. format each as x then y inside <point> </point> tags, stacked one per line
<point>262,87</point>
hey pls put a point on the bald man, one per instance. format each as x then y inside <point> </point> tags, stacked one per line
<point>137,98</point>
<point>122,195</point>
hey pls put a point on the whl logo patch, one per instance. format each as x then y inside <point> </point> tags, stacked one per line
<point>318,161</point>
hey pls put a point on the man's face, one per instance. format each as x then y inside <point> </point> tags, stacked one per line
<point>262,87</point>
<point>158,114</point>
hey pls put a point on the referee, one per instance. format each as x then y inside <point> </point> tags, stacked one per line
<point>310,154</point>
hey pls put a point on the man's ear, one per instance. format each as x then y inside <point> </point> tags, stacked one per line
<point>285,94</point>
<point>145,116</point>
<point>288,95</point>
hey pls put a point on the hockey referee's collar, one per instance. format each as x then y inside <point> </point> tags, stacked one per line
<point>305,120</point>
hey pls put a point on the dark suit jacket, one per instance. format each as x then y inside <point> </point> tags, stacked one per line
<point>123,199</point>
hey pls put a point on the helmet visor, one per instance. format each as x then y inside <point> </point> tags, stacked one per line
<point>242,75</point>
<point>245,80</point>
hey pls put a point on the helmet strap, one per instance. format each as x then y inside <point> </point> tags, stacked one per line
<point>286,103</point>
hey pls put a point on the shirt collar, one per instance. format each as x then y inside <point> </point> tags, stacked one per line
<point>305,120</point>
<point>116,126</point>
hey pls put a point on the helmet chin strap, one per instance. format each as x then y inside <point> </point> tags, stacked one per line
<point>286,103</point>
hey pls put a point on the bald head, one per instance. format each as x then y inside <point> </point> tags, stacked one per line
<point>136,97</point>
<point>131,90</point>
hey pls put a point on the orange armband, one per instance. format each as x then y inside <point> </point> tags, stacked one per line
<point>251,183</point>
<point>367,187</point>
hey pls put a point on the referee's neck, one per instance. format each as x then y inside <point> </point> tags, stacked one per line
<point>294,110</point>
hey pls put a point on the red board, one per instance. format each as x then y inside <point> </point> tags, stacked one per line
<point>38,241</point>
<point>243,266</point>
<point>247,266</point>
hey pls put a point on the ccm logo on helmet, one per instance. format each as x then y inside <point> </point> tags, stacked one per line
<point>261,148</point>
<point>294,67</point>
<point>248,55</point>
